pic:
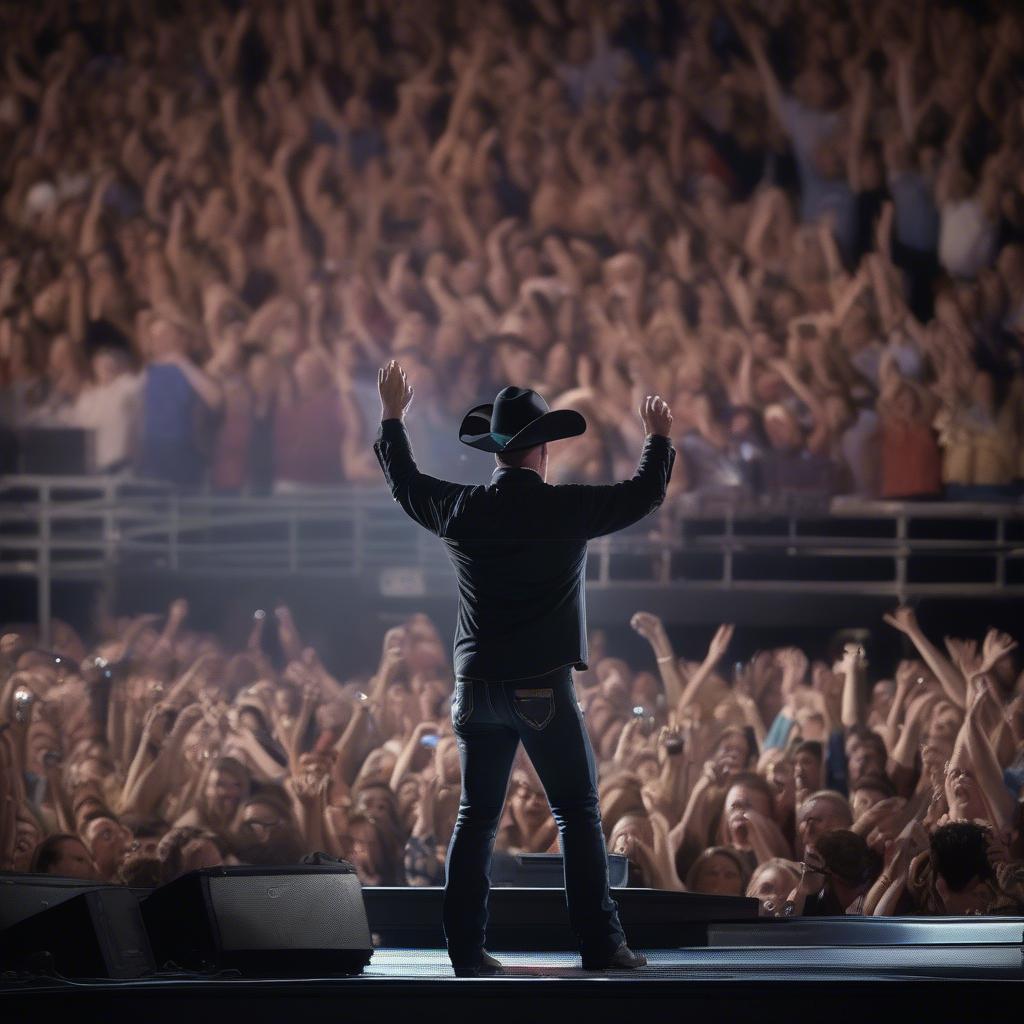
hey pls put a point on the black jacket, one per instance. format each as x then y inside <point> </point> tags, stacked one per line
<point>519,549</point>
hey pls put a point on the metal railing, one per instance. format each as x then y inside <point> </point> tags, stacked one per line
<point>58,528</point>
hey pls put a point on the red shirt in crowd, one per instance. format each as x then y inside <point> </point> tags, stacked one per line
<point>307,440</point>
<point>229,468</point>
<point>911,460</point>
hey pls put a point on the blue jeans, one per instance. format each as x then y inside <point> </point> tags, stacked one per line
<point>489,719</point>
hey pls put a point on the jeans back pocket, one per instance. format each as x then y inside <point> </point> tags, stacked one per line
<point>462,703</point>
<point>535,707</point>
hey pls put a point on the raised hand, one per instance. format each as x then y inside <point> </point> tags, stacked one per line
<point>297,673</point>
<point>656,416</point>
<point>964,654</point>
<point>909,674</point>
<point>995,647</point>
<point>308,788</point>
<point>827,683</point>
<point>393,650</point>
<point>716,772</point>
<point>178,611</point>
<point>151,716</point>
<point>875,815</point>
<point>920,708</point>
<point>628,742</point>
<point>311,692</point>
<point>288,632</point>
<point>762,831</point>
<point>189,716</point>
<point>853,656</point>
<point>793,663</point>
<point>648,625</point>
<point>422,729</point>
<point>395,391</point>
<point>670,738</point>
<point>259,620</point>
<point>677,249</point>
<point>903,618</point>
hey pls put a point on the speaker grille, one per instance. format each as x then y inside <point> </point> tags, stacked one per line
<point>283,911</point>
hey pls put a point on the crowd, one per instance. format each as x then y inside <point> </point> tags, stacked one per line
<point>814,786</point>
<point>801,222</point>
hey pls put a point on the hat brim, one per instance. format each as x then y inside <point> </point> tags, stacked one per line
<point>552,426</point>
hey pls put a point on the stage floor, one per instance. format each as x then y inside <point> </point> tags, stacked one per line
<point>934,982</point>
<point>836,969</point>
<point>704,961</point>
<point>732,964</point>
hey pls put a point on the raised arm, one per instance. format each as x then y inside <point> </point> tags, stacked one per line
<point>151,776</point>
<point>403,765</point>
<point>277,179</point>
<point>652,629</point>
<point>208,389</point>
<point>906,747</point>
<point>425,499</point>
<point>716,651</point>
<point>818,439</point>
<point>606,508</point>
<point>951,679</point>
<point>499,278</point>
<point>437,164</point>
<point>705,798</point>
<point>858,127</point>
<point>987,769</point>
<point>853,685</point>
<point>751,36</point>
<point>89,236</point>
<point>884,896</point>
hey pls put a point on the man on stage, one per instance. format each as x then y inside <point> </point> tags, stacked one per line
<point>519,548</point>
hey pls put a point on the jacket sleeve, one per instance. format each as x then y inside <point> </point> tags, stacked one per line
<point>425,498</point>
<point>606,508</point>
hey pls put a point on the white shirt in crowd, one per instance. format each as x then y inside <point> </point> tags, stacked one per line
<point>967,238</point>
<point>112,411</point>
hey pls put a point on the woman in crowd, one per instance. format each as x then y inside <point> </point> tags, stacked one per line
<point>718,871</point>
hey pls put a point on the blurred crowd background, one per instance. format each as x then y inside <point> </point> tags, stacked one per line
<point>800,222</point>
<point>814,783</point>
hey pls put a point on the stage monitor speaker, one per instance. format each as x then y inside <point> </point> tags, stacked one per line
<point>23,894</point>
<point>545,870</point>
<point>276,922</point>
<point>95,934</point>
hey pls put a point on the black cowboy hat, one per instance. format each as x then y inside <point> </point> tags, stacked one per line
<point>518,418</point>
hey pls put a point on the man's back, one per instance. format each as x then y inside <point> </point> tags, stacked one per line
<point>519,549</point>
<point>519,552</point>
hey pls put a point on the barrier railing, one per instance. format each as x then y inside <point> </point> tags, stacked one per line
<point>55,528</point>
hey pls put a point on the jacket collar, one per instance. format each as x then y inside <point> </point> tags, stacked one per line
<point>516,475</point>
